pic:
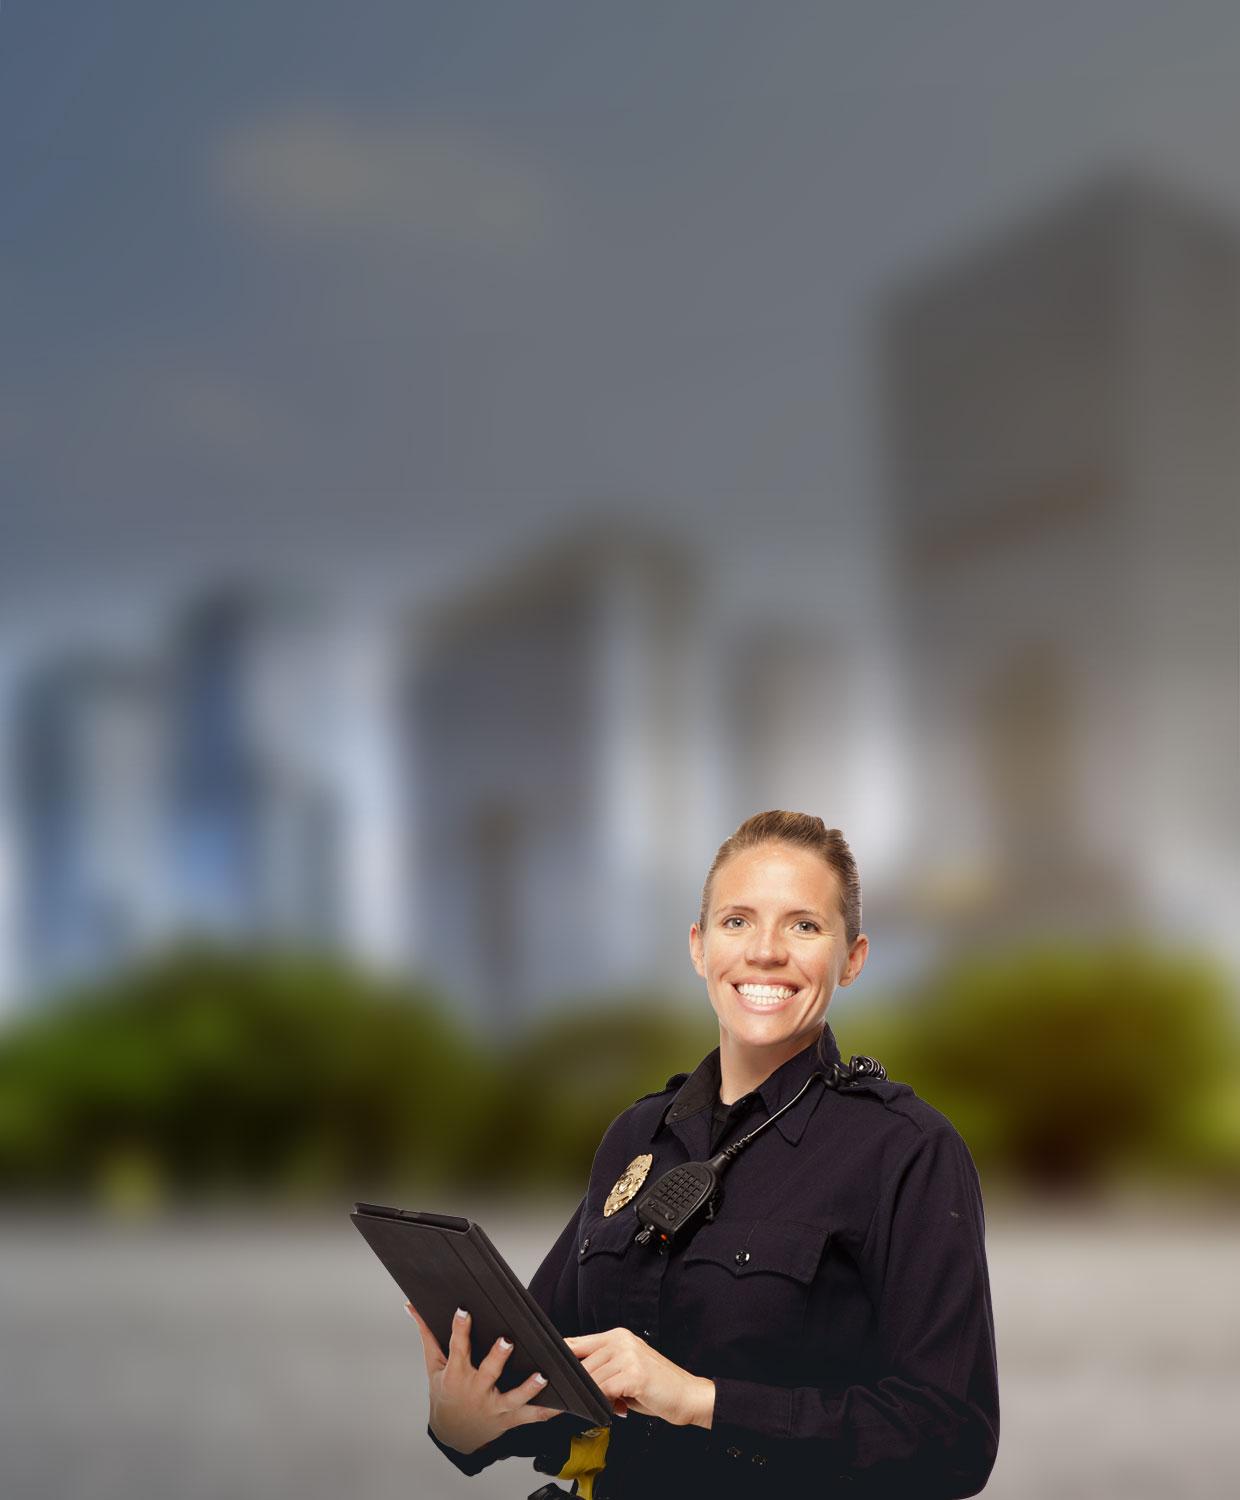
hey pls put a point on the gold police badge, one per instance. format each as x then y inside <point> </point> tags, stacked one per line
<point>629,1181</point>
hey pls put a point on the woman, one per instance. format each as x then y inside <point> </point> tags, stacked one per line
<point>829,1329</point>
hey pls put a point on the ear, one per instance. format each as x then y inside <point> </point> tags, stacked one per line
<point>857,955</point>
<point>697,951</point>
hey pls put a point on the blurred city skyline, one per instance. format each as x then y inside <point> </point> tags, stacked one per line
<point>380,317</point>
<point>510,787</point>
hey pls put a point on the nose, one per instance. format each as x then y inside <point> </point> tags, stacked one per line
<point>766,945</point>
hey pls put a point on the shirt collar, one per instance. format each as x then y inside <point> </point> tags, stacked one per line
<point>701,1089</point>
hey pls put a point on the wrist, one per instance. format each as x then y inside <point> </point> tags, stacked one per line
<point>701,1403</point>
<point>464,1443</point>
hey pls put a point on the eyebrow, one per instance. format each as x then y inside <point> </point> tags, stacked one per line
<point>801,911</point>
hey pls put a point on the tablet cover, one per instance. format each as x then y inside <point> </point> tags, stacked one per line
<point>442,1262</point>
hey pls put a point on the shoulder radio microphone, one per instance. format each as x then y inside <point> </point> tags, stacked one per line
<point>690,1194</point>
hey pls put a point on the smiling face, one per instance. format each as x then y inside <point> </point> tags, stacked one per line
<point>772,952</point>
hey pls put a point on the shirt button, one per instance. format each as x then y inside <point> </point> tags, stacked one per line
<point>734,1452</point>
<point>585,1244</point>
<point>647,1333</point>
<point>742,1257</point>
<point>759,1458</point>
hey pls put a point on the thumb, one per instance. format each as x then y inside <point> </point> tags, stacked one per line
<point>433,1354</point>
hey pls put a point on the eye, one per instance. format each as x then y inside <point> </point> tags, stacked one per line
<point>727,922</point>
<point>807,924</point>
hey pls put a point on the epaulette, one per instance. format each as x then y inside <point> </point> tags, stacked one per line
<point>865,1075</point>
<point>878,1088</point>
<point>673,1082</point>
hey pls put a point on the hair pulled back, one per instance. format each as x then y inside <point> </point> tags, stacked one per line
<point>802,831</point>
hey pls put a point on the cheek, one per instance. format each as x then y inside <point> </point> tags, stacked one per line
<point>710,966</point>
<point>826,977</point>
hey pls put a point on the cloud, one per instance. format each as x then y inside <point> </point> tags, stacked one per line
<point>312,174</point>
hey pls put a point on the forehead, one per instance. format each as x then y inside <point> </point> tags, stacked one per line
<point>776,873</point>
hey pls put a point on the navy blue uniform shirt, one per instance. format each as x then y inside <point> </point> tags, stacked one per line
<point>839,1301</point>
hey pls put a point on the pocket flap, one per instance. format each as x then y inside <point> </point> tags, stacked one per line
<point>748,1247</point>
<point>608,1236</point>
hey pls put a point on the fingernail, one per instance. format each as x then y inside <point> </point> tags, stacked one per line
<point>622,1413</point>
<point>504,1343</point>
<point>541,1379</point>
<point>461,1313</point>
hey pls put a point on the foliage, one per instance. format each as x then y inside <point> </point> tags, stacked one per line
<point>213,1071</point>
<point>1063,1065</point>
<point>569,1077</point>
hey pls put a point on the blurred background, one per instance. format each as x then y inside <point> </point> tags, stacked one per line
<point>459,462</point>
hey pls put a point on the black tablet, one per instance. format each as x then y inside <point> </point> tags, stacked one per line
<point>441,1263</point>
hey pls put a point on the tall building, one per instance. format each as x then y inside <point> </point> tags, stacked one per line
<point>790,738</point>
<point>88,751</point>
<point>232,787</point>
<point>564,787</point>
<point>254,821</point>
<point>1063,417</point>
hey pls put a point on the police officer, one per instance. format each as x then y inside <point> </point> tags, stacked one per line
<point>824,1326</point>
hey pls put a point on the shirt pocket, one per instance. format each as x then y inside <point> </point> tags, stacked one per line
<point>749,1281</point>
<point>601,1248</point>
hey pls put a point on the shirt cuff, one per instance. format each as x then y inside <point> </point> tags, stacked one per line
<point>467,1463</point>
<point>548,1444</point>
<point>746,1406</point>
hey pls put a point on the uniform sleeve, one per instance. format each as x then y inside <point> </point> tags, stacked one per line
<point>929,1425</point>
<point>554,1288</point>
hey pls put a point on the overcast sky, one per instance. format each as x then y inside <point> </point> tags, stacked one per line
<point>380,288</point>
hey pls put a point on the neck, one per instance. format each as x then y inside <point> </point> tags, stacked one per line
<point>742,1069</point>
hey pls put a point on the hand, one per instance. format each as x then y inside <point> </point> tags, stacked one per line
<point>626,1369</point>
<point>466,1409</point>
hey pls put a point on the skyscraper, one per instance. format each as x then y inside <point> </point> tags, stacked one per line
<point>561,777</point>
<point>1062,410</point>
<point>89,747</point>
<point>253,818</point>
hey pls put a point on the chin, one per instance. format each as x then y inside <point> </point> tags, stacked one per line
<point>744,1031</point>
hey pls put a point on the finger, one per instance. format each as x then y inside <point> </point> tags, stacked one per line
<point>585,1343</point>
<point>600,1363</point>
<point>496,1359</point>
<point>521,1395</point>
<point>616,1381</point>
<point>431,1351</point>
<point>524,1414</point>
<point>459,1353</point>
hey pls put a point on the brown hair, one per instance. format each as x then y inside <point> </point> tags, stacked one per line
<point>803,831</point>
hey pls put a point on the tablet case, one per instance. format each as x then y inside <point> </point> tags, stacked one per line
<point>441,1263</point>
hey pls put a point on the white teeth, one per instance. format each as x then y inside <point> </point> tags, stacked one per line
<point>769,993</point>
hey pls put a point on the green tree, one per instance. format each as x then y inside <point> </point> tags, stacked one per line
<point>1064,1065</point>
<point>565,1081</point>
<point>217,1070</point>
